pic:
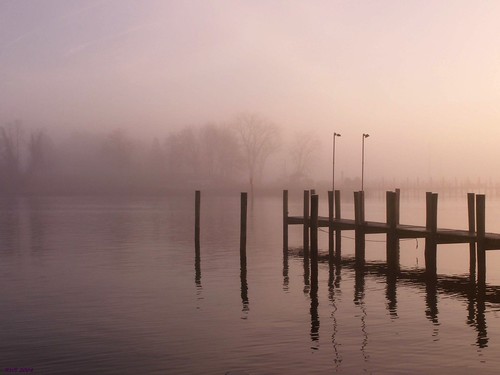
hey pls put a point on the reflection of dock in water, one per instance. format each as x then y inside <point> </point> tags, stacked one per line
<point>475,295</point>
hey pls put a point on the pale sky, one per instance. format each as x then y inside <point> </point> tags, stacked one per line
<point>422,77</point>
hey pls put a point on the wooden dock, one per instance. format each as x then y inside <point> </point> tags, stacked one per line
<point>479,241</point>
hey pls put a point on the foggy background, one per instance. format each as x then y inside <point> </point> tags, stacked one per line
<point>122,95</point>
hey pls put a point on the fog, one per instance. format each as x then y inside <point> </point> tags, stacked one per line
<point>90,80</point>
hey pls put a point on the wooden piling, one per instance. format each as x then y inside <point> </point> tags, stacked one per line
<point>431,200</point>
<point>359,247</point>
<point>398,206</point>
<point>357,208</point>
<point>338,233</point>
<point>243,229</point>
<point>197,255</point>
<point>314,237</point>
<point>285,221</point>
<point>430,240</point>
<point>330,227</point>
<point>480,233</point>
<point>472,229</point>
<point>392,242</point>
<point>197,201</point>
<point>306,223</point>
<point>391,207</point>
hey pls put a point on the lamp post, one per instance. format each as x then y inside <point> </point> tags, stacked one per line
<point>365,135</point>
<point>335,135</point>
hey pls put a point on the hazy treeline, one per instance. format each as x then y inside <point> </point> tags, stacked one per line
<point>208,156</point>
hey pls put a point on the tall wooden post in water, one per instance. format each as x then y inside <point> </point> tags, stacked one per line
<point>338,233</point>
<point>330,227</point>
<point>359,218</point>
<point>392,243</point>
<point>285,221</point>
<point>197,200</point>
<point>481,232</point>
<point>314,239</point>
<point>471,209</point>
<point>197,257</point>
<point>430,240</point>
<point>243,229</point>
<point>306,223</point>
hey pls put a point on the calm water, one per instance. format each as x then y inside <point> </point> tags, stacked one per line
<point>111,286</point>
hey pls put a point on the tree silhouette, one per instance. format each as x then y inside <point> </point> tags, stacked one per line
<point>258,139</point>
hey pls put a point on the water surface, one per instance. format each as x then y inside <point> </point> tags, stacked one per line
<point>112,285</point>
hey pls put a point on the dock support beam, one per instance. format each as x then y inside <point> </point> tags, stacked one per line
<point>392,249</point>
<point>471,208</point>
<point>285,221</point>
<point>243,230</point>
<point>481,232</point>
<point>197,257</point>
<point>359,218</point>
<point>430,240</point>
<point>197,200</point>
<point>314,240</point>
<point>338,233</point>
<point>306,224</point>
<point>330,227</point>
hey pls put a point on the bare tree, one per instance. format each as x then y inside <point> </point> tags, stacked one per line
<point>259,139</point>
<point>302,151</point>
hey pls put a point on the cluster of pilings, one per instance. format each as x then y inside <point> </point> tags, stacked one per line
<point>475,236</point>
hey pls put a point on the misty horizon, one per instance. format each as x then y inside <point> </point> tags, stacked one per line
<point>422,80</point>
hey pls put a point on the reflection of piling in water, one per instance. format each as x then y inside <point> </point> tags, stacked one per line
<point>431,310</point>
<point>482,335</point>
<point>391,294</point>
<point>244,288</point>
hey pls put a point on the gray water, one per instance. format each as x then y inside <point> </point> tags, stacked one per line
<point>112,286</point>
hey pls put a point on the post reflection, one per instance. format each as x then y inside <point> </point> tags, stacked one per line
<point>334,293</point>
<point>391,295</point>
<point>359,300</point>
<point>314,315</point>
<point>244,288</point>
<point>286,279</point>
<point>480,319</point>
<point>431,309</point>
<point>306,273</point>
<point>197,271</point>
<point>457,287</point>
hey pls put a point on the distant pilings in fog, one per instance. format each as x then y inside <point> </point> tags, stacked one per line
<point>479,241</point>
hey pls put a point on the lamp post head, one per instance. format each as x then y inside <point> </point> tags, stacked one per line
<point>365,135</point>
<point>337,135</point>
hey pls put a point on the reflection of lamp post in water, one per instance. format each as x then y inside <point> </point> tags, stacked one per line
<point>363,160</point>
<point>335,135</point>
